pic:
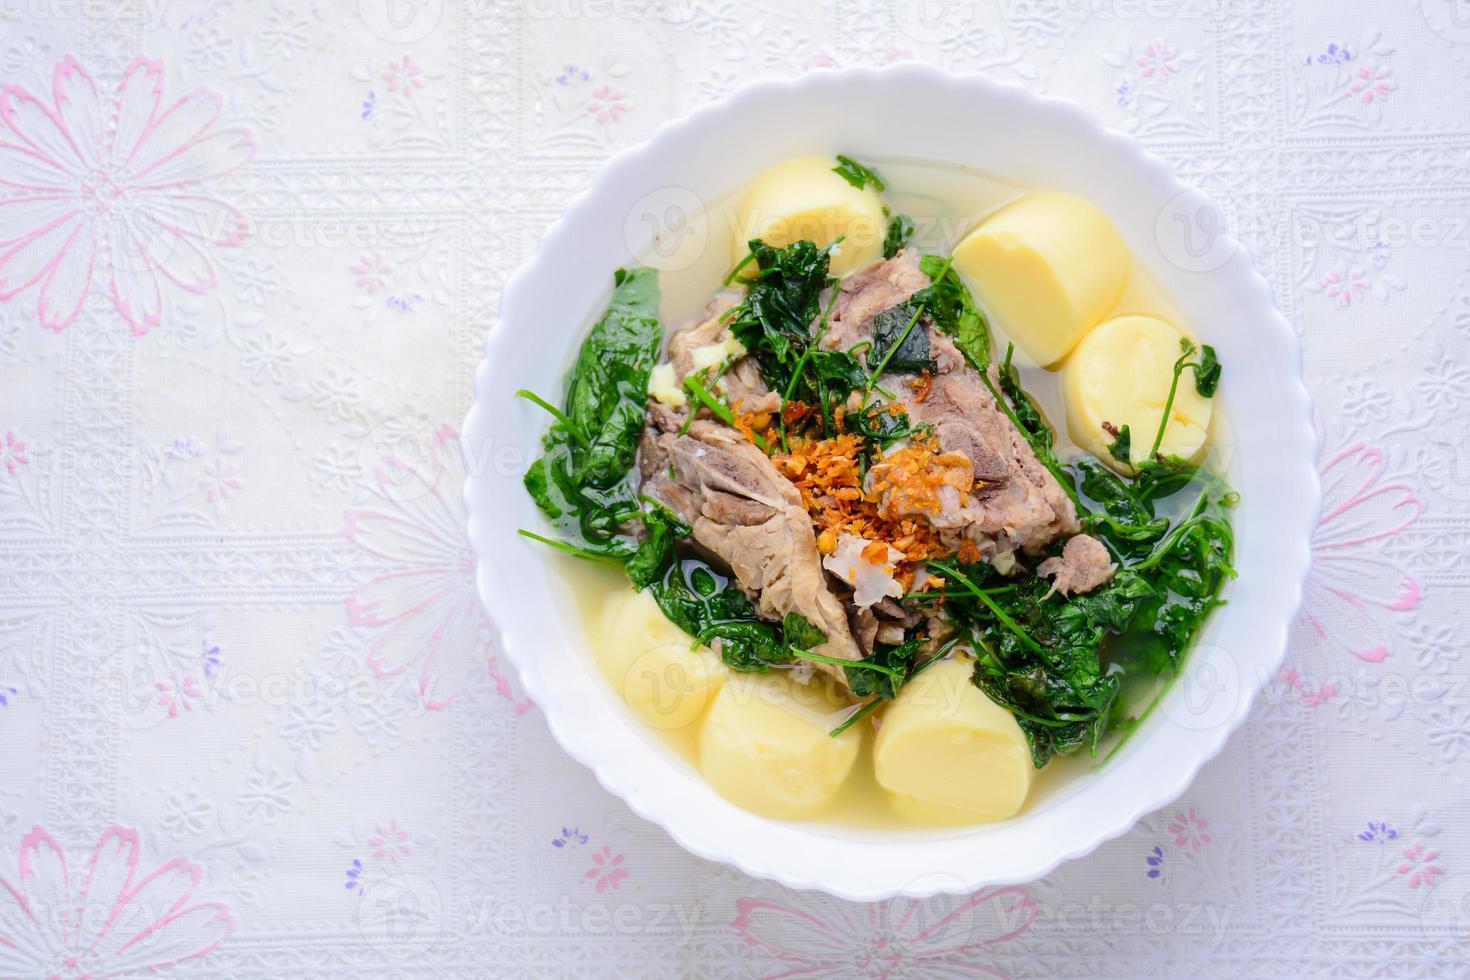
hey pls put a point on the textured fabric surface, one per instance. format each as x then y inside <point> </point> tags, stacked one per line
<point>251,721</point>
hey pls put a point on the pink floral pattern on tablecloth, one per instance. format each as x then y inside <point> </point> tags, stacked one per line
<point>110,192</point>
<point>430,606</point>
<point>103,919</point>
<point>905,937</point>
<point>1355,592</point>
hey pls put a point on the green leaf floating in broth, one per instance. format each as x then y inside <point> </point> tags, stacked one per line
<point>582,480</point>
<point>900,230</point>
<point>713,610</point>
<point>858,175</point>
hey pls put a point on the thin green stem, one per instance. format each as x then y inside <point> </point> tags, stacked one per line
<point>567,548</point>
<point>908,327</point>
<point>720,409</point>
<point>950,571</point>
<point>1169,402</point>
<point>730,276</point>
<point>821,658</point>
<point>801,363</point>
<point>558,414</point>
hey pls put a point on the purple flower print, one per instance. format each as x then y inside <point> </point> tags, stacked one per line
<point>570,838</point>
<point>1333,55</point>
<point>1188,829</point>
<point>211,658</point>
<point>405,304</point>
<point>1379,832</point>
<point>571,74</point>
<point>13,453</point>
<point>607,871</point>
<point>110,182</point>
<point>1125,93</point>
<point>1418,866</point>
<point>354,876</point>
<point>369,105</point>
<point>1378,255</point>
<point>1155,862</point>
<point>6,693</point>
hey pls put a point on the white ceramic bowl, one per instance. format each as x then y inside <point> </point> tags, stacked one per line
<point>913,111</point>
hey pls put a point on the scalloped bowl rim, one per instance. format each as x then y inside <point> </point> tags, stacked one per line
<point>580,710</point>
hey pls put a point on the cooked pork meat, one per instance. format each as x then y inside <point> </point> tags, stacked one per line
<point>1083,565</point>
<point>742,383</point>
<point>750,517</point>
<point>1015,501</point>
<point>983,486</point>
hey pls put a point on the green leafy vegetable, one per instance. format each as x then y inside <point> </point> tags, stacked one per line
<point>915,667</point>
<point>1126,519</point>
<point>884,683</point>
<point>1122,444</point>
<point>713,610</point>
<point>1025,415</point>
<point>1206,380</point>
<point>880,426</point>
<point>954,311</point>
<point>774,321</point>
<point>900,342</point>
<point>1207,373</point>
<point>802,632</point>
<point>1051,659</point>
<point>857,175</point>
<point>662,531</point>
<point>900,230</point>
<point>581,481</point>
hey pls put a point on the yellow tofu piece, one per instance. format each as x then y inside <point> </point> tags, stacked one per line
<point>1120,375</point>
<point>764,745</point>
<point>665,679</point>
<point>804,199</point>
<point>1045,268</point>
<point>943,745</point>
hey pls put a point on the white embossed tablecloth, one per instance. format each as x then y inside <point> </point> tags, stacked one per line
<point>250,723</point>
